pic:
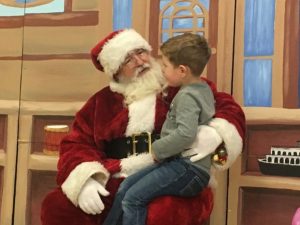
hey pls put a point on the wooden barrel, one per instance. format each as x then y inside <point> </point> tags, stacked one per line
<point>53,136</point>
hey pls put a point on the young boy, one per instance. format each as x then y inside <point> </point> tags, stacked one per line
<point>184,58</point>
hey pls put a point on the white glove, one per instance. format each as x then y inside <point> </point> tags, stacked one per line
<point>135,163</point>
<point>206,142</point>
<point>89,197</point>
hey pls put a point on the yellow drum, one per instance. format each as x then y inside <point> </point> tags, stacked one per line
<point>53,136</point>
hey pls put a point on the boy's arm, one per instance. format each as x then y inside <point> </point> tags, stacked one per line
<point>229,123</point>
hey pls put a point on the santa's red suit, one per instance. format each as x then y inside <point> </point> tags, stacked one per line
<point>105,118</point>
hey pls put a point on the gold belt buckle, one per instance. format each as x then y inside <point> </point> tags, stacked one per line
<point>134,141</point>
<point>149,142</point>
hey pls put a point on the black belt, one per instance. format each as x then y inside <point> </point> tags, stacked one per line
<point>123,147</point>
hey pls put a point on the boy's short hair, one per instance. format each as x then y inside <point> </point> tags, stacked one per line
<point>188,49</point>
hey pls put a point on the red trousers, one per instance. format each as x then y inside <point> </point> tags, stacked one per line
<point>58,210</point>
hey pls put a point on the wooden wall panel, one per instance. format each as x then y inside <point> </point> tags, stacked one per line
<point>60,80</point>
<point>1,186</point>
<point>268,206</point>
<point>291,62</point>
<point>3,131</point>
<point>42,182</point>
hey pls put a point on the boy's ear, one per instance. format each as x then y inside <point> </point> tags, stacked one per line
<point>183,69</point>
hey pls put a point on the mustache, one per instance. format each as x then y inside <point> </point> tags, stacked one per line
<point>142,68</point>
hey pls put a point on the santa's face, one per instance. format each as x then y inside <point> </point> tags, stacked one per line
<point>141,82</point>
<point>135,64</point>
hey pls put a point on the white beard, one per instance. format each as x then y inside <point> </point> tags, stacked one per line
<point>138,87</point>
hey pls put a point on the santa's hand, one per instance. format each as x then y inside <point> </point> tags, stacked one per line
<point>89,199</point>
<point>206,142</point>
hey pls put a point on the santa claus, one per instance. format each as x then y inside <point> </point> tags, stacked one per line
<point>115,127</point>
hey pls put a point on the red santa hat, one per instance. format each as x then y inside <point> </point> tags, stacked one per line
<point>110,53</point>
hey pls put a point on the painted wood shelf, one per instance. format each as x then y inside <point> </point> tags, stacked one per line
<point>2,157</point>
<point>50,108</point>
<point>261,115</point>
<point>40,161</point>
<point>264,181</point>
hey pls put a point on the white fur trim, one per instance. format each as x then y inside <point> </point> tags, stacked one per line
<point>213,183</point>
<point>206,142</point>
<point>232,139</point>
<point>77,178</point>
<point>135,163</point>
<point>116,49</point>
<point>141,115</point>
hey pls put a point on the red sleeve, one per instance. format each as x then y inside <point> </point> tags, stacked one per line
<point>86,141</point>
<point>229,122</point>
<point>227,108</point>
<point>82,151</point>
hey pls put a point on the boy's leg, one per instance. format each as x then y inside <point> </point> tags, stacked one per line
<point>175,177</point>
<point>116,212</point>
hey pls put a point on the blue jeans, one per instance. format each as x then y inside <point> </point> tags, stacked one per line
<point>174,177</point>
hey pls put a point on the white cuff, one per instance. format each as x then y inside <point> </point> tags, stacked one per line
<point>135,163</point>
<point>232,139</point>
<point>77,178</point>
